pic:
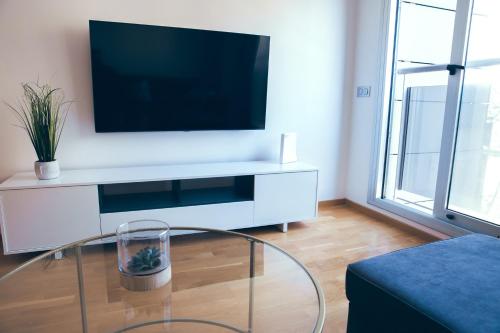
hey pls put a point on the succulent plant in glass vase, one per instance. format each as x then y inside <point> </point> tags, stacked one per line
<point>143,249</point>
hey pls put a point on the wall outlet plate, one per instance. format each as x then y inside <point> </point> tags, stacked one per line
<point>363,91</point>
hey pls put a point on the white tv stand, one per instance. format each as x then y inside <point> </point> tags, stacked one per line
<point>39,215</point>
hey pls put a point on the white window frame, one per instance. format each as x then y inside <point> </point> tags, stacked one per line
<point>440,221</point>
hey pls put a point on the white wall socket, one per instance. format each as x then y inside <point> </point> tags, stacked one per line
<point>363,91</point>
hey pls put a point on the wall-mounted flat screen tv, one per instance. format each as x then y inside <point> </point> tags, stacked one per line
<point>153,78</point>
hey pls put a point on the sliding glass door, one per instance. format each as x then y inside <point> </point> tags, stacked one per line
<point>440,147</point>
<point>473,194</point>
<point>418,98</point>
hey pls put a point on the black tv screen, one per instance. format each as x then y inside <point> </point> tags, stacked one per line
<point>152,78</point>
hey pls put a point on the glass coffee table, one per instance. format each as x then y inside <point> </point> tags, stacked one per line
<point>222,281</point>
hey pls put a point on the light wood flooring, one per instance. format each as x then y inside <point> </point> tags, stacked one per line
<point>342,234</point>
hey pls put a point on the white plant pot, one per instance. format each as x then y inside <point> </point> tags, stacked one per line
<point>47,170</point>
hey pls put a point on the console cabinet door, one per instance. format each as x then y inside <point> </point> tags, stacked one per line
<point>285,197</point>
<point>37,219</point>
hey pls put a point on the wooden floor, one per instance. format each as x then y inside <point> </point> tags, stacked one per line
<point>341,235</point>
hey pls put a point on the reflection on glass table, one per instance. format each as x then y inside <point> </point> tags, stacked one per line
<point>221,282</point>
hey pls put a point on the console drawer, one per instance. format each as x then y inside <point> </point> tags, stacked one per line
<point>225,216</point>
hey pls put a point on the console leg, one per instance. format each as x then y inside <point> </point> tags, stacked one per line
<point>58,255</point>
<point>283,227</point>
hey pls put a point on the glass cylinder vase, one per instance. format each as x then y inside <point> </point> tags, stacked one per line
<point>144,254</point>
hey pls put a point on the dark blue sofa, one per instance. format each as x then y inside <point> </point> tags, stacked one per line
<point>447,286</point>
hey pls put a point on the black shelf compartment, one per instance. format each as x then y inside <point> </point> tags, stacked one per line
<point>125,197</point>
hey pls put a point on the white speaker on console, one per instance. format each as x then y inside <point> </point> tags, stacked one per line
<point>288,148</point>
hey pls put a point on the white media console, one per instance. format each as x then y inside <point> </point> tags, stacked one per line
<point>39,215</point>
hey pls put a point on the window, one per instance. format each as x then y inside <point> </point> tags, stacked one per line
<point>439,149</point>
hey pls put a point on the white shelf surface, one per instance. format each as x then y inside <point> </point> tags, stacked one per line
<point>81,177</point>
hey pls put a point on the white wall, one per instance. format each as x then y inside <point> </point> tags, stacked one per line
<point>363,111</point>
<point>49,39</point>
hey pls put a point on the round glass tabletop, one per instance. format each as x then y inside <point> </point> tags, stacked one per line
<point>221,281</point>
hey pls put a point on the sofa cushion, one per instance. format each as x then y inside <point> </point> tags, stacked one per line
<point>452,284</point>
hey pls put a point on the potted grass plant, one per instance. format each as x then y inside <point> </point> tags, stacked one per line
<point>42,113</point>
